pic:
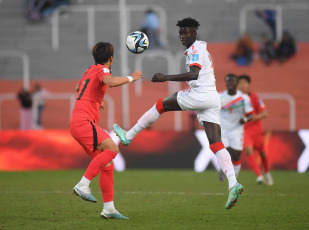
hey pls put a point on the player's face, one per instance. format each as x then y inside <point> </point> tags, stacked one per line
<point>244,86</point>
<point>231,83</point>
<point>187,36</point>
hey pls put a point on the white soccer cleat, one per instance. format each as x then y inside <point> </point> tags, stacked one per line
<point>112,214</point>
<point>260,179</point>
<point>84,192</point>
<point>269,179</point>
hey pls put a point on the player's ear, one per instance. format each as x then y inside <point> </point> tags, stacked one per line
<point>111,59</point>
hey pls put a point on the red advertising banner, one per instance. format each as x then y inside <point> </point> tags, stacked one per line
<point>56,149</point>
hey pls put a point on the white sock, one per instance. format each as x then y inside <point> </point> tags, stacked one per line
<point>147,119</point>
<point>237,169</point>
<point>225,162</point>
<point>109,206</point>
<point>85,181</point>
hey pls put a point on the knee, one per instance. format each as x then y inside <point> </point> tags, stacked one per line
<point>263,154</point>
<point>114,148</point>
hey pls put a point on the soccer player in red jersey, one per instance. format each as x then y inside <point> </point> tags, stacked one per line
<point>254,132</point>
<point>202,97</point>
<point>84,127</point>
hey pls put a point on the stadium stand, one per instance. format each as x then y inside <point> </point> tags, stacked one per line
<point>59,70</point>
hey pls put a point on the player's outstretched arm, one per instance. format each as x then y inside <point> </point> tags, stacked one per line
<point>192,75</point>
<point>118,81</point>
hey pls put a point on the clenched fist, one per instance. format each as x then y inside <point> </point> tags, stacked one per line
<point>158,77</point>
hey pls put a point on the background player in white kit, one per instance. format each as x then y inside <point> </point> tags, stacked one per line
<point>235,111</point>
<point>201,97</point>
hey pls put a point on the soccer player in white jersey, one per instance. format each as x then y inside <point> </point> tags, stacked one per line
<point>201,97</point>
<point>235,111</point>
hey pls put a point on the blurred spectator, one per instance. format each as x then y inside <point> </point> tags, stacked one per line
<point>287,47</point>
<point>267,49</point>
<point>24,97</point>
<point>244,50</point>
<point>40,9</point>
<point>269,17</point>
<point>151,28</point>
<point>39,96</point>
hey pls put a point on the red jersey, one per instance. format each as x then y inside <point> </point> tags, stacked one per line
<point>91,93</point>
<point>258,106</point>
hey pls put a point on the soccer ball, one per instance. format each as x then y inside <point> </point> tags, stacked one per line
<point>137,42</point>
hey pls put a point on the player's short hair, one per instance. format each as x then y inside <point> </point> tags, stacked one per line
<point>244,77</point>
<point>230,75</point>
<point>102,51</point>
<point>188,22</point>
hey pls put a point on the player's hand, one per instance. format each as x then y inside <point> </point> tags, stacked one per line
<point>102,106</point>
<point>136,75</point>
<point>243,120</point>
<point>158,77</point>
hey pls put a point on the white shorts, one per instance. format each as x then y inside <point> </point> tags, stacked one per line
<point>233,139</point>
<point>207,105</point>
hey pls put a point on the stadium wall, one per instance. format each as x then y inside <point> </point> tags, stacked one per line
<point>56,149</point>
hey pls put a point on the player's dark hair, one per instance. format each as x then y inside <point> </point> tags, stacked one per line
<point>244,77</point>
<point>230,75</point>
<point>188,22</point>
<point>102,51</point>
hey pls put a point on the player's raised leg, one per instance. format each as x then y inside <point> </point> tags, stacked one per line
<point>162,105</point>
<point>213,132</point>
<point>98,163</point>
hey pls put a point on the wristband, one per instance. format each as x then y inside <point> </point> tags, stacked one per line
<point>130,78</point>
<point>245,119</point>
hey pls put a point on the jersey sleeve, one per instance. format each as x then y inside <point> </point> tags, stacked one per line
<point>105,72</point>
<point>261,105</point>
<point>197,56</point>
<point>248,106</point>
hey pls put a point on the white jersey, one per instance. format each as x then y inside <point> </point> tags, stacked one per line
<point>197,55</point>
<point>233,108</point>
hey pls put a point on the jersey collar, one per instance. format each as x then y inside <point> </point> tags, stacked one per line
<point>186,52</point>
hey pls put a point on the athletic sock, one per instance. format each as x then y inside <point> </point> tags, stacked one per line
<point>265,163</point>
<point>147,119</point>
<point>107,186</point>
<point>225,162</point>
<point>98,163</point>
<point>237,166</point>
<point>84,181</point>
<point>254,165</point>
<point>109,206</point>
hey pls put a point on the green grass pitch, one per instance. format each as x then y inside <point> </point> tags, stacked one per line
<point>154,199</point>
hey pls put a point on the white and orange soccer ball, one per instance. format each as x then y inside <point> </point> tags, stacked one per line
<point>137,42</point>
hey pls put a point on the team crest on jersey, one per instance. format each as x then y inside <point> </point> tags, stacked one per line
<point>195,57</point>
<point>105,70</point>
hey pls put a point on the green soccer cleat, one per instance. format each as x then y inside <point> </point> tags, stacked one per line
<point>84,192</point>
<point>113,215</point>
<point>121,134</point>
<point>234,195</point>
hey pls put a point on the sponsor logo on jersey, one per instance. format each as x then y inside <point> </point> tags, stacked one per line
<point>105,70</point>
<point>195,57</point>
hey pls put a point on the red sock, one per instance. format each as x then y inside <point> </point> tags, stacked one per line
<point>98,163</point>
<point>253,165</point>
<point>265,164</point>
<point>107,183</point>
<point>236,162</point>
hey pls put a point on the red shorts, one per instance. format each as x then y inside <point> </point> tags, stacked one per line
<point>254,140</point>
<point>89,135</point>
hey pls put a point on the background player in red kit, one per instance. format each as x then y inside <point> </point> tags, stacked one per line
<point>83,127</point>
<point>254,132</point>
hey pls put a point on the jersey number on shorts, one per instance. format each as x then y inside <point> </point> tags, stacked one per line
<point>83,90</point>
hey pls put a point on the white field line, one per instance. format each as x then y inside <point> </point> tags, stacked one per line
<point>149,193</point>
